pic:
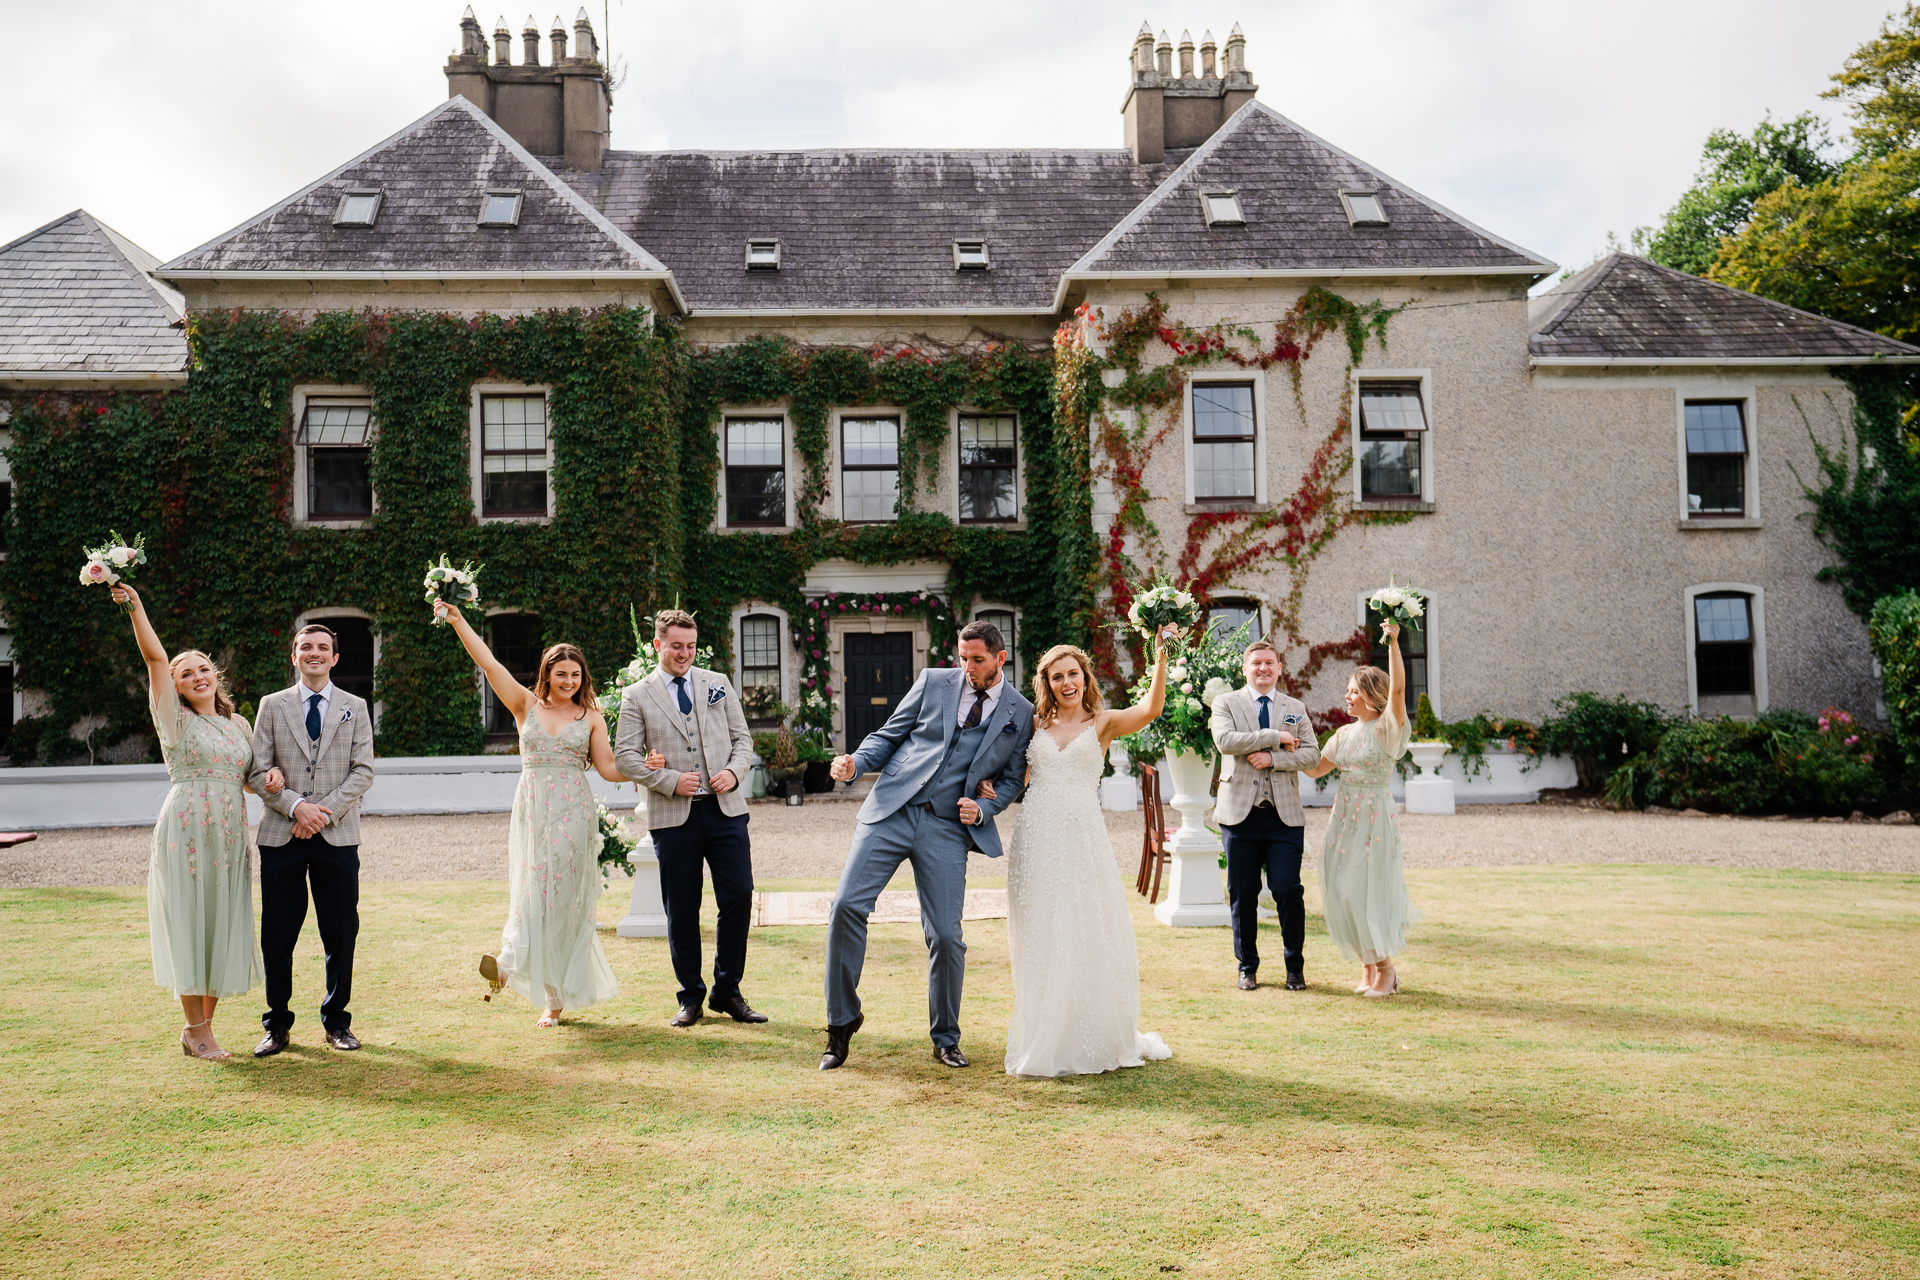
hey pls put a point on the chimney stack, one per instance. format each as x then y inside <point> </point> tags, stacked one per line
<point>558,111</point>
<point>1163,112</point>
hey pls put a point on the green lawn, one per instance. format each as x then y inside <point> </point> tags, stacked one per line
<point>1592,1071</point>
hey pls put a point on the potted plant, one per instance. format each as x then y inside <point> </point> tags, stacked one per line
<point>816,757</point>
<point>784,767</point>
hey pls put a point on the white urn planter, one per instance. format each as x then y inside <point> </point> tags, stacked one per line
<point>646,913</point>
<point>1428,792</point>
<point>1196,890</point>
<point>1120,792</point>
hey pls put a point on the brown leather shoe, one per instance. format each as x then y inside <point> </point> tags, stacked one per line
<point>688,1015</point>
<point>343,1039</point>
<point>1248,982</point>
<point>838,1043</point>
<point>271,1043</point>
<point>949,1055</point>
<point>735,1006</point>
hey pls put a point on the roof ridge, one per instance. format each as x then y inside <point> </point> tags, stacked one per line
<point>1771,302</point>
<point>118,245</point>
<point>42,229</point>
<point>1605,266</point>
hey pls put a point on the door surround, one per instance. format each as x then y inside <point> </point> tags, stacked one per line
<point>868,624</point>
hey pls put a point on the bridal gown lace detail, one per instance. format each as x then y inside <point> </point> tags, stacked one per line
<point>1076,971</point>
<point>550,951</point>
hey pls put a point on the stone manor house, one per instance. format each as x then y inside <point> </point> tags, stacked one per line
<point>1599,484</point>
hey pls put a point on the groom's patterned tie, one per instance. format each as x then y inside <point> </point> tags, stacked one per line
<point>313,717</point>
<point>1264,700</point>
<point>973,712</point>
<point>680,688</point>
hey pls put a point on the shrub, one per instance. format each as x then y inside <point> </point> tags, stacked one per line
<point>1895,632</point>
<point>1426,725</point>
<point>1784,760</point>
<point>1832,764</point>
<point>1720,764</point>
<point>1601,734</point>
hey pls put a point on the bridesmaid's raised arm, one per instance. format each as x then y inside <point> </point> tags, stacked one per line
<point>1118,722</point>
<point>1396,709</point>
<point>513,695</point>
<point>152,652</point>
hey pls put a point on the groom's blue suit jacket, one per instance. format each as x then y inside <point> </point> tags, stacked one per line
<point>908,749</point>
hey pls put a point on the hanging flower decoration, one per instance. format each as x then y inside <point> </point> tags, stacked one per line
<point>811,635</point>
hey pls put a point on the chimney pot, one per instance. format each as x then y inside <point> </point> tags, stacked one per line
<point>1237,56</point>
<point>1143,52</point>
<point>502,42</point>
<point>559,37</point>
<point>1186,55</point>
<point>530,36</point>
<point>584,45</point>
<point>1163,57</point>
<point>1207,51</point>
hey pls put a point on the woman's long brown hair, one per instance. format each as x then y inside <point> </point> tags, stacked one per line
<point>543,683</point>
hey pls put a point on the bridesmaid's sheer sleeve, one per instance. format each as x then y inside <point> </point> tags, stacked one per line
<point>1393,736</point>
<point>164,701</point>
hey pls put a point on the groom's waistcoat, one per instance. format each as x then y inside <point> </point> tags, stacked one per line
<point>949,781</point>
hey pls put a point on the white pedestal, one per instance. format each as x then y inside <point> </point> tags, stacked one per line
<point>646,914</point>
<point>1196,889</point>
<point>1428,792</point>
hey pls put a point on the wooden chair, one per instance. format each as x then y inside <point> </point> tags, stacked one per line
<point>1153,837</point>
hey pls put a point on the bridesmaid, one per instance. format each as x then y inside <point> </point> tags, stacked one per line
<point>549,950</point>
<point>1362,881</point>
<point>200,869</point>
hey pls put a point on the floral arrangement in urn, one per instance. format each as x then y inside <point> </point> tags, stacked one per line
<point>617,843</point>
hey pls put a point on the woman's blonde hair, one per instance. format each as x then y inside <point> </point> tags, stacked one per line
<point>222,699</point>
<point>1373,685</point>
<point>1045,706</point>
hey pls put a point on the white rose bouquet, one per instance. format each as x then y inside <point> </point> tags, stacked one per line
<point>1162,604</point>
<point>109,564</point>
<point>1402,605</point>
<point>458,587</point>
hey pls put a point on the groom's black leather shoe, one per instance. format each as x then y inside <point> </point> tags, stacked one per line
<point>837,1043</point>
<point>1296,980</point>
<point>950,1056</point>
<point>688,1015</point>
<point>735,1007</point>
<point>343,1039</point>
<point>271,1043</point>
<point>1248,982</point>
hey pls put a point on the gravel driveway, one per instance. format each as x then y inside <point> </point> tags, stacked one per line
<point>810,843</point>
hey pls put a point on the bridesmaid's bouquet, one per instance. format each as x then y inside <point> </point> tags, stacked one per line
<point>112,562</point>
<point>1162,604</point>
<point>458,587</point>
<point>1398,604</point>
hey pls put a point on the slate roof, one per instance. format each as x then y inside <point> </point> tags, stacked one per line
<point>76,299</point>
<point>433,175</point>
<point>868,229</point>
<point>1628,309</point>
<point>1289,184</point>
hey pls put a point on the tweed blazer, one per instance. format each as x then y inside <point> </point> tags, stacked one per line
<point>1237,734</point>
<point>333,773</point>
<point>650,717</point>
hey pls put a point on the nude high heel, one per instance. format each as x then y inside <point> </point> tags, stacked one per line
<point>192,1048</point>
<point>1393,983</point>
<point>490,970</point>
<point>1366,981</point>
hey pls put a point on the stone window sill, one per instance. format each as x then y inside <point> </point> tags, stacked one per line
<point>1205,508</point>
<point>1395,504</point>
<point>1698,526</point>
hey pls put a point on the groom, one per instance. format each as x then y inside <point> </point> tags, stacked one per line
<point>1264,738</point>
<point>954,729</point>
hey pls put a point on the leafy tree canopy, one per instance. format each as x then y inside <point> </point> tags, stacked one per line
<point>1735,172</point>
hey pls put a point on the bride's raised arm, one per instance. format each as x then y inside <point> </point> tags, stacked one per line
<point>513,695</point>
<point>1118,722</point>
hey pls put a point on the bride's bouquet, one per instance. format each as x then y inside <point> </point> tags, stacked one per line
<point>1401,605</point>
<point>458,587</point>
<point>110,563</point>
<point>1162,604</point>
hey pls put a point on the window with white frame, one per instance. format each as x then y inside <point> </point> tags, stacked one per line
<point>1393,428</point>
<point>1224,434</point>
<point>1716,459</point>
<point>760,668</point>
<point>988,448</point>
<point>1724,635</point>
<point>756,472</point>
<point>869,468</point>
<point>1229,613</point>
<point>1006,621</point>
<point>513,455</point>
<point>1413,651</point>
<point>336,443</point>
<point>515,639</point>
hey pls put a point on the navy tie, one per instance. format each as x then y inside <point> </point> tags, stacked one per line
<point>313,717</point>
<point>1263,711</point>
<point>680,688</point>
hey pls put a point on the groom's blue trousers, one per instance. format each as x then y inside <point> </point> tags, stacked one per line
<point>937,848</point>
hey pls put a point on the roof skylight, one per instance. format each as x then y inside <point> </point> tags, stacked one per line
<point>357,209</point>
<point>1222,208</point>
<point>971,255</point>
<point>763,255</point>
<point>1364,208</point>
<point>501,208</point>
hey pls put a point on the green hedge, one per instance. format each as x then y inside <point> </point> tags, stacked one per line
<point>1895,633</point>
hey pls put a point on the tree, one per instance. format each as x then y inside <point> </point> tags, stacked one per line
<point>1881,82</point>
<point>1866,507</point>
<point>1735,172</point>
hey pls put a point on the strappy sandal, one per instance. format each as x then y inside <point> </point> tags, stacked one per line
<point>187,1045</point>
<point>550,1018</point>
<point>490,970</point>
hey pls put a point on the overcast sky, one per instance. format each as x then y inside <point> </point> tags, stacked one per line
<point>1546,121</point>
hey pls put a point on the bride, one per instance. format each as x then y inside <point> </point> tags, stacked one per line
<point>1076,974</point>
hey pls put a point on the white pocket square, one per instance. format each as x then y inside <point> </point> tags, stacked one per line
<point>715,694</point>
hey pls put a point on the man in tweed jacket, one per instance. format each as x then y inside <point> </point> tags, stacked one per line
<point>697,811</point>
<point>321,738</point>
<point>1263,737</point>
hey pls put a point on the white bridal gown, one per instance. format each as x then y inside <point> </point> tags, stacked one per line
<point>1076,973</point>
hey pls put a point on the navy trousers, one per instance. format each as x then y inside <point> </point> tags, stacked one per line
<point>718,842</point>
<point>1264,845</point>
<point>286,871</point>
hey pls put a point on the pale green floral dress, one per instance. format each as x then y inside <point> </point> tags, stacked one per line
<point>200,870</point>
<point>549,951</point>
<point>1362,880</point>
